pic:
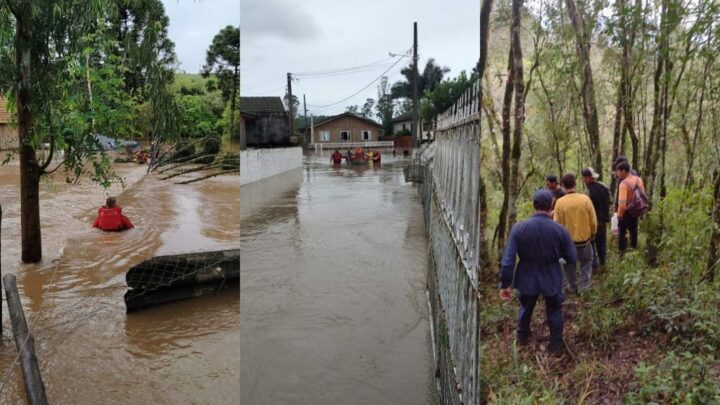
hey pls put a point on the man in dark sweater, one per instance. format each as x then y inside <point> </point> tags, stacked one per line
<point>551,183</point>
<point>600,196</point>
<point>539,243</point>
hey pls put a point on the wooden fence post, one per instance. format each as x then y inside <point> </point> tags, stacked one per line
<point>25,344</point>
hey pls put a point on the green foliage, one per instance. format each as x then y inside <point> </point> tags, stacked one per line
<point>431,76</point>
<point>197,117</point>
<point>598,322</point>
<point>223,124</point>
<point>140,28</point>
<point>444,95</point>
<point>223,61</point>
<point>684,378</point>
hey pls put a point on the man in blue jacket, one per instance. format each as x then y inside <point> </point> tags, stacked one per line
<point>540,243</point>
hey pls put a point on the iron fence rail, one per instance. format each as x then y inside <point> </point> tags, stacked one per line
<point>451,202</point>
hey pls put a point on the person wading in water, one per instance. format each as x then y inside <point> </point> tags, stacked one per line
<point>111,218</point>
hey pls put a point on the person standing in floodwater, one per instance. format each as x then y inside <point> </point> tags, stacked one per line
<point>110,217</point>
<point>336,157</point>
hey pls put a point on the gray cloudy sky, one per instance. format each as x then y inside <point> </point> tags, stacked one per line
<point>194,23</point>
<point>280,36</point>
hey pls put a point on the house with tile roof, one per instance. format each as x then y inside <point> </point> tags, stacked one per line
<point>8,131</point>
<point>345,127</point>
<point>263,122</point>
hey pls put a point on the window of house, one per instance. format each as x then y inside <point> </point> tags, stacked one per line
<point>366,135</point>
<point>325,136</point>
<point>345,135</point>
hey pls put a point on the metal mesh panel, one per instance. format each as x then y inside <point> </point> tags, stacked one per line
<point>173,271</point>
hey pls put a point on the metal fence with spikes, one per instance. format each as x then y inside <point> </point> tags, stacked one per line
<point>450,194</point>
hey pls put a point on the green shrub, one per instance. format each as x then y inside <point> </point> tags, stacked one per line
<point>684,378</point>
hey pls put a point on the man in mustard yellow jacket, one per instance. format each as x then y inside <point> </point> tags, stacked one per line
<point>576,213</point>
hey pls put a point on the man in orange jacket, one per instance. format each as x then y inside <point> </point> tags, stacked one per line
<point>627,222</point>
<point>110,217</point>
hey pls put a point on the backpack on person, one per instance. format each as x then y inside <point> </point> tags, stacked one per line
<point>639,204</point>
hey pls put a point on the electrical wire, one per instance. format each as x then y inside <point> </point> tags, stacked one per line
<point>342,70</point>
<point>362,89</point>
<point>368,69</point>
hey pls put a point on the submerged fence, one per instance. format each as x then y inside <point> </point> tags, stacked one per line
<point>450,194</point>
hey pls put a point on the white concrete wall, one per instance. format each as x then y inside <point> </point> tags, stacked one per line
<point>257,164</point>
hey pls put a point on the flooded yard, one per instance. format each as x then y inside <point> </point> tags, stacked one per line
<point>89,349</point>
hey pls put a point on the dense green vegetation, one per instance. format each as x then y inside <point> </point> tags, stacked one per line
<point>573,84</point>
<point>201,110</point>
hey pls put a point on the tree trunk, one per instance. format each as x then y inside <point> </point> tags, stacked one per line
<point>29,168</point>
<point>617,131</point>
<point>587,94</point>
<point>233,105</point>
<point>507,101</point>
<point>553,122</point>
<point>715,239</point>
<point>657,143</point>
<point>519,89</point>
<point>484,249</point>
<point>659,93</point>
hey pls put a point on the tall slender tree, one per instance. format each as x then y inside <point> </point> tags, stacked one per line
<point>583,35</point>
<point>223,60</point>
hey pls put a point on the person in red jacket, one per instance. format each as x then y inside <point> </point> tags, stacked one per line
<point>336,157</point>
<point>110,217</point>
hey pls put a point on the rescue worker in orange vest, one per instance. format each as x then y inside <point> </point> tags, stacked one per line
<point>110,217</point>
<point>336,157</point>
<point>376,157</point>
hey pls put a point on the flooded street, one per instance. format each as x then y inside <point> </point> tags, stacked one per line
<point>90,351</point>
<point>333,301</point>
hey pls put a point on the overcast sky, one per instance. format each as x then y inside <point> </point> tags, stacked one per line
<point>194,23</point>
<point>280,36</point>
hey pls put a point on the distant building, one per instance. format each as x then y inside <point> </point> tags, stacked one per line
<point>8,132</point>
<point>263,122</point>
<point>346,127</point>
<point>402,124</point>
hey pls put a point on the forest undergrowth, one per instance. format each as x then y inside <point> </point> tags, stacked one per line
<point>640,334</point>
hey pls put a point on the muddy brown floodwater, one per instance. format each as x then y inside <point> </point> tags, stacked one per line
<point>333,303</point>
<point>90,351</point>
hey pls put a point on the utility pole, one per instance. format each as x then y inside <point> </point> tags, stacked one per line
<point>415,126</point>
<point>312,128</point>
<point>305,135</point>
<point>290,105</point>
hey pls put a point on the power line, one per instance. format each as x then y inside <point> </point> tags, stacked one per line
<point>362,89</point>
<point>349,69</point>
<point>368,69</point>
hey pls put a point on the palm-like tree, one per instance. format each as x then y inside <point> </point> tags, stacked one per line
<point>431,76</point>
